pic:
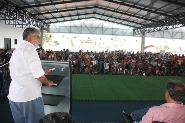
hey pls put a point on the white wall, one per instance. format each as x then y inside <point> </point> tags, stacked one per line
<point>11,32</point>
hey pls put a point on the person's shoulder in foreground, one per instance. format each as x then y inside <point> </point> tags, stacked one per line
<point>57,117</point>
<point>173,111</point>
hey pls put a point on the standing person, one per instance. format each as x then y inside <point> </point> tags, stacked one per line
<point>27,76</point>
<point>173,111</point>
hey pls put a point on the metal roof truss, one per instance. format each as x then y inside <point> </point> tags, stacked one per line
<point>14,15</point>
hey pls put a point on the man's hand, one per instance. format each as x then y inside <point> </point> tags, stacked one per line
<point>47,71</point>
<point>45,81</point>
<point>50,83</point>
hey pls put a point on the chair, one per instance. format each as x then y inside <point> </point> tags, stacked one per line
<point>106,67</point>
<point>127,117</point>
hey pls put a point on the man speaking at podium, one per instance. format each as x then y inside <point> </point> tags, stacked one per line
<point>27,76</point>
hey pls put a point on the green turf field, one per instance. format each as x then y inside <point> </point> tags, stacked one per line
<point>119,87</point>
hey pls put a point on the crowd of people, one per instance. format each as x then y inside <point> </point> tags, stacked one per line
<point>120,62</point>
<point>5,56</point>
<point>115,62</point>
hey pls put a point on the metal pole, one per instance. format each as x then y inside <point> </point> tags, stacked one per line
<point>142,41</point>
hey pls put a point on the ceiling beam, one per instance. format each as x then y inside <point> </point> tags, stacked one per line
<point>71,20</point>
<point>92,18</point>
<point>52,3</point>
<point>116,2</point>
<point>96,17</point>
<point>139,7</point>
<point>12,11</point>
<point>2,5</point>
<point>175,2</point>
<point>115,22</point>
<point>126,13</point>
<point>64,10</point>
<point>165,24</point>
<point>96,7</point>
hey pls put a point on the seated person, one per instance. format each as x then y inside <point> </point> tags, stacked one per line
<point>173,111</point>
<point>57,117</point>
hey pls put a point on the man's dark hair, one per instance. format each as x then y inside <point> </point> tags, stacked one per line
<point>28,31</point>
<point>57,117</point>
<point>176,90</point>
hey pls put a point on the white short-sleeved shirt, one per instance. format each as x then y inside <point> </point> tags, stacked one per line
<point>25,67</point>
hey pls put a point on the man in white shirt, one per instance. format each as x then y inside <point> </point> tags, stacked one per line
<point>27,76</point>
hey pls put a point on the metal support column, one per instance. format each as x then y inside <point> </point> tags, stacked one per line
<point>41,37</point>
<point>142,41</point>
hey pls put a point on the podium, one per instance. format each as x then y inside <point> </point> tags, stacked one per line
<point>57,98</point>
